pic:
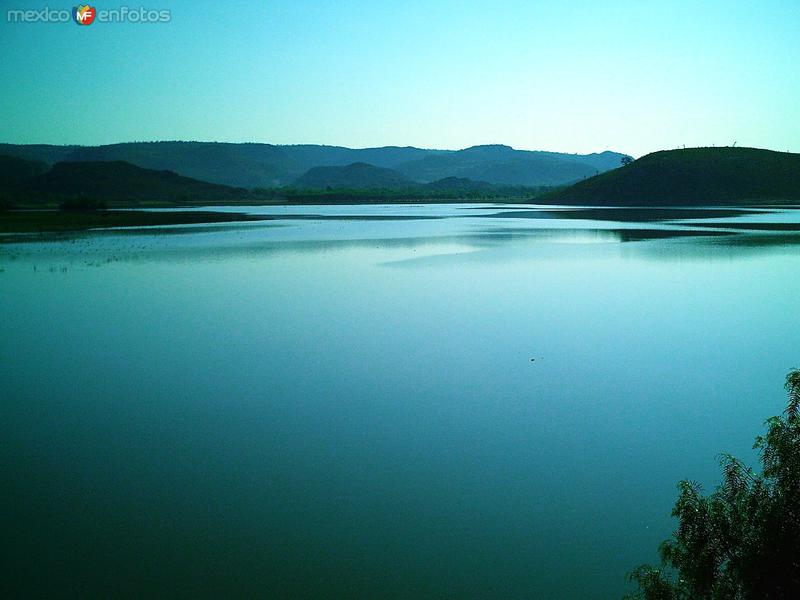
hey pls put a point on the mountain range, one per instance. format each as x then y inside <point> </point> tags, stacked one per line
<point>83,184</point>
<point>252,165</point>
<point>692,176</point>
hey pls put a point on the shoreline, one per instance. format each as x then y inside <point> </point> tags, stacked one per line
<point>48,220</point>
<point>57,221</point>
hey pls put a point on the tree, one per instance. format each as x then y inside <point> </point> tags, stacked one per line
<point>626,160</point>
<point>743,541</point>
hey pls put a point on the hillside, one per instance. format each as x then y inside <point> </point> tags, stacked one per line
<point>239,165</point>
<point>505,165</point>
<point>15,173</point>
<point>31,183</point>
<point>692,176</point>
<point>355,176</point>
<point>266,165</point>
<point>388,183</point>
<point>459,184</point>
<point>122,182</point>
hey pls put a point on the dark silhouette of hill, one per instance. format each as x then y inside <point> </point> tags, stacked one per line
<point>15,173</point>
<point>338,156</point>
<point>451,184</point>
<point>240,165</point>
<point>689,177</point>
<point>505,165</point>
<point>46,153</point>
<point>266,165</point>
<point>362,176</point>
<point>692,176</point>
<point>95,184</point>
<point>119,181</point>
<point>355,176</point>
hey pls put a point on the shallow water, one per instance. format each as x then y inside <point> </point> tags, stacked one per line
<point>380,401</point>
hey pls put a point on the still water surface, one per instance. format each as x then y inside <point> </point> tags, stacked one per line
<point>380,401</point>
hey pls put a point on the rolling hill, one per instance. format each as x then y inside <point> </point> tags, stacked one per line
<point>391,184</point>
<point>692,176</point>
<point>354,176</point>
<point>459,184</point>
<point>239,165</point>
<point>688,177</point>
<point>32,183</point>
<point>15,174</point>
<point>254,165</point>
<point>121,182</point>
<point>505,165</point>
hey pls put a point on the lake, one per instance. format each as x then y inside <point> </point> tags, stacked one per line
<point>381,401</point>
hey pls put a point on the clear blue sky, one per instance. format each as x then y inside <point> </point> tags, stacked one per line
<point>632,76</point>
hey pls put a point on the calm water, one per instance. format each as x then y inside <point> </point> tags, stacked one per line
<point>342,401</point>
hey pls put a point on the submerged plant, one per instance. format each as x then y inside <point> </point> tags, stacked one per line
<point>743,540</point>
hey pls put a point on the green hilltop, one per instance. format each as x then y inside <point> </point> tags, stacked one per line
<point>692,176</point>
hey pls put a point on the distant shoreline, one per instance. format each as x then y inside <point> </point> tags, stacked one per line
<point>51,220</point>
<point>57,221</point>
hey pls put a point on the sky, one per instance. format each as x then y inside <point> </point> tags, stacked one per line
<point>559,75</point>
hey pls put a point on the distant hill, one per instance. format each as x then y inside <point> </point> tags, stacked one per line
<point>46,153</point>
<point>362,176</point>
<point>240,165</point>
<point>266,165</point>
<point>122,182</point>
<point>355,176</point>
<point>692,176</point>
<point>505,165</point>
<point>15,173</point>
<point>452,184</point>
<point>25,183</point>
<point>688,177</point>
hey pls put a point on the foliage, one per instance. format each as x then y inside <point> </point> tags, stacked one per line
<point>742,541</point>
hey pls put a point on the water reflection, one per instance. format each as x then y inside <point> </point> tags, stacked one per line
<point>474,231</point>
<point>255,411</point>
<point>632,215</point>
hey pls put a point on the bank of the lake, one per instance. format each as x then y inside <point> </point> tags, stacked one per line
<point>43,221</point>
